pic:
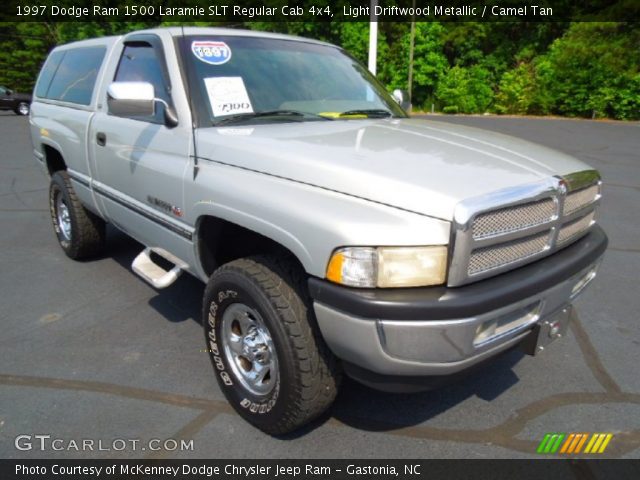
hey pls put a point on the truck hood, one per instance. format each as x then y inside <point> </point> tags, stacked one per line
<point>418,165</point>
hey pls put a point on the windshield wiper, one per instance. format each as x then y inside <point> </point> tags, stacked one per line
<point>370,113</point>
<point>268,113</point>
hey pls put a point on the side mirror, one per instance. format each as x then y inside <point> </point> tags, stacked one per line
<point>402,98</point>
<point>137,99</point>
<point>131,99</point>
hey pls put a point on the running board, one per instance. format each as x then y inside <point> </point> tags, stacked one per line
<point>153,273</point>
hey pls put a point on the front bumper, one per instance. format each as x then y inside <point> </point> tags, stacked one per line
<point>436,330</point>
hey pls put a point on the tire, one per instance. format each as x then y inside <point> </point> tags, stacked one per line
<point>256,310</point>
<point>22,108</point>
<point>81,233</point>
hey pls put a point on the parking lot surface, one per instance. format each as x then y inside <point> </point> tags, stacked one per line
<point>90,351</point>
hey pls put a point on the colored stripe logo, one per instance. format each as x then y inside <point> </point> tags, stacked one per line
<point>574,443</point>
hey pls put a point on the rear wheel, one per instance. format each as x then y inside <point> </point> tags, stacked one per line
<point>81,233</point>
<point>269,358</point>
<point>22,108</point>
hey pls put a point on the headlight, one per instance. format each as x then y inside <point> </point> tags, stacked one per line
<point>384,267</point>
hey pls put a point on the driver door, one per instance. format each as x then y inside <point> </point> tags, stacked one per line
<point>140,162</point>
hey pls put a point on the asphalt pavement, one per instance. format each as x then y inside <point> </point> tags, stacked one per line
<point>88,351</point>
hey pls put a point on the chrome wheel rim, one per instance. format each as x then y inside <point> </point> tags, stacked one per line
<point>23,108</point>
<point>63,218</point>
<point>249,349</point>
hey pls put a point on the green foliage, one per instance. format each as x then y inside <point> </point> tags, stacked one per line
<point>429,62</point>
<point>580,69</point>
<point>466,88</point>
<point>23,50</point>
<point>592,70</point>
<point>354,38</point>
<point>516,90</point>
<point>619,99</point>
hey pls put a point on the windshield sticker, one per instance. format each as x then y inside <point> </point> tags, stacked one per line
<point>227,96</point>
<point>213,53</point>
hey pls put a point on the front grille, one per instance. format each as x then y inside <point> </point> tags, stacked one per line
<point>579,199</point>
<point>539,219</point>
<point>576,227</point>
<point>512,219</point>
<point>496,256</point>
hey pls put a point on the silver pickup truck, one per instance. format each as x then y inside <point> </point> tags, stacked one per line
<point>334,233</point>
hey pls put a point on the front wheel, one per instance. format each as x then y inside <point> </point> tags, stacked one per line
<point>269,358</point>
<point>22,108</point>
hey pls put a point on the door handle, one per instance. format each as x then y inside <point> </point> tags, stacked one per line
<point>101,139</point>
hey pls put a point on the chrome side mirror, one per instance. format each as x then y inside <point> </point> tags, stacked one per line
<point>402,98</point>
<point>131,99</point>
<point>137,99</point>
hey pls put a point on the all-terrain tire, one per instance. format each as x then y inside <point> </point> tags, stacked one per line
<point>271,291</point>
<point>85,236</point>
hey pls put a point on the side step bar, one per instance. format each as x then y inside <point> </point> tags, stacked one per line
<point>153,273</point>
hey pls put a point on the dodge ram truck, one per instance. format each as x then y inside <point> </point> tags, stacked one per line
<point>334,233</point>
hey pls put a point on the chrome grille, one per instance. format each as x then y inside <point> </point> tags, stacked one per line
<point>513,227</point>
<point>496,256</point>
<point>571,229</point>
<point>512,219</point>
<point>581,198</point>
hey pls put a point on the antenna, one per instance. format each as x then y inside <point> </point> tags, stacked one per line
<point>187,89</point>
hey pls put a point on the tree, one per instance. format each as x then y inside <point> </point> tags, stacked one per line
<point>593,70</point>
<point>465,90</point>
<point>24,48</point>
<point>517,89</point>
<point>430,63</point>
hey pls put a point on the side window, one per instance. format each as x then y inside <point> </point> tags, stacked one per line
<point>3,91</point>
<point>75,77</point>
<point>140,63</point>
<point>47,73</point>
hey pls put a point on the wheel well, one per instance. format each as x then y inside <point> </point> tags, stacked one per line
<point>54,160</point>
<point>220,242</point>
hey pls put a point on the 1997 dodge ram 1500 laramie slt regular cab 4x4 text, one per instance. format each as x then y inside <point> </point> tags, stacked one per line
<point>335,234</point>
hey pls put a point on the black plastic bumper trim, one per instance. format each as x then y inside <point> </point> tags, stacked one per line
<point>441,303</point>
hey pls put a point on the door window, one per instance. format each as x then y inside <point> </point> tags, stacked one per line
<point>140,63</point>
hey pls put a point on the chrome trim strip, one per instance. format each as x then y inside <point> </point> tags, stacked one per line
<point>176,227</point>
<point>80,177</point>
<point>514,235</point>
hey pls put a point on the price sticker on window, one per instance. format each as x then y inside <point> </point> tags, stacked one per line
<point>227,96</point>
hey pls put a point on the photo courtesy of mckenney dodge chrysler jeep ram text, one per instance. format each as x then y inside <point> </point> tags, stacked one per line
<point>335,234</point>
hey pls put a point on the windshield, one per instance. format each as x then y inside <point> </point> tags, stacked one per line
<point>264,80</point>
